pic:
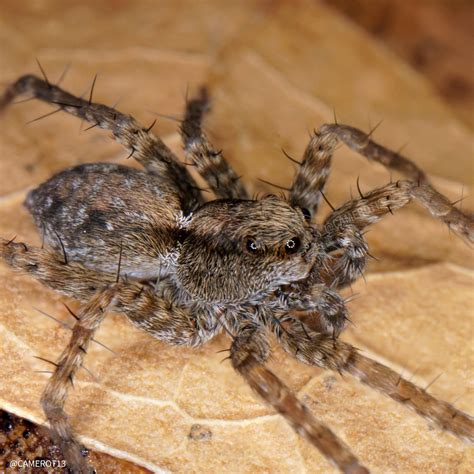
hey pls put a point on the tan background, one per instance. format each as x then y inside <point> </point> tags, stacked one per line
<point>276,70</point>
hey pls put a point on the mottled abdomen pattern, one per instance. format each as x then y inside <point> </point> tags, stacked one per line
<point>94,210</point>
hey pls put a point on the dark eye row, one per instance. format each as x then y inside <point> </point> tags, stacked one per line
<point>252,245</point>
<point>291,245</point>
<point>306,214</point>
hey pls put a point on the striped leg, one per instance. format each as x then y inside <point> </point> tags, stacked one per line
<point>249,352</point>
<point>343,228</point>
<point>210,163</point>
<point>142,305</point>
<point>314,169</point>
<point>322,351</point>
<point>313,172</point>
<point>55,393</point>
<point>144,146</point>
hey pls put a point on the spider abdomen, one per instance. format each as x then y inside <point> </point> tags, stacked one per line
<point>94,210</point>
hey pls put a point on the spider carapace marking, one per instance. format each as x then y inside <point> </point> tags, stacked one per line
<point>191,269</point>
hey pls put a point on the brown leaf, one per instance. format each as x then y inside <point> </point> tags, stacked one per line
<point>276,70</point>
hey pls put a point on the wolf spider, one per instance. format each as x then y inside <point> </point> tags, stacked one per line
<point>145,244</point>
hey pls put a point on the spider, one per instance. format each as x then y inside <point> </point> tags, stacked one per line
<point>147,245</point>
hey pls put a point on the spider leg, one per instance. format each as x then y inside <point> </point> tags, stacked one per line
<point>55,393</point>
<point>144,146</point>
<point>210,163</point>
<point>361,142</point>
<point>310,179</point>
<point>379,202</point>
<point>142,305</point>
<point>248,354</point>
<point>310,297</point>
<point>322,351</point>
<point>312,174</point>
<point>348,266</point>
<point>67,277</point>
<point>343,228</point>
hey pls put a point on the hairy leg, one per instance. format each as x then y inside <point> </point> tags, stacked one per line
<point>143,145</point>
<point>55,393</point>
<point>343,228</point>
<point>314,169</point>
<point>348,262</point>
<point>374,205</point>
<point>249,352</point>
<point>210,163</point>
<point>322,351</point>
<point>315,297</point>
<point>361,142</point>
<point>142,305</point>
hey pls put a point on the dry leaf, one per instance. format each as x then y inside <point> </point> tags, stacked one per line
<point>276,70</point>
<point>430,36</point>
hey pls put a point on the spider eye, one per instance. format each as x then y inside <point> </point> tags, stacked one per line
<point>251,245</point>
<point>306,213</point>
<point>292,245</point>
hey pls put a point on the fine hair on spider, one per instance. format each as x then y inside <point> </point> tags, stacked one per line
<point>191,269</point>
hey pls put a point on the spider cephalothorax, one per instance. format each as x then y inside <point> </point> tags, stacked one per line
<point>147,245</point>
<point>238,251</point>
